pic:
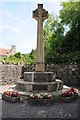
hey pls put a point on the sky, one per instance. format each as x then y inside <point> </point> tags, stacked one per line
<point>17,26</point>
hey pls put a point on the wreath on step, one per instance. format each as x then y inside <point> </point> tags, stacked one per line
<point>69,95</point>
<point>11,96</point>
<point>40,96</point>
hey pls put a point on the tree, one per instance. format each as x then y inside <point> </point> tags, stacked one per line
<point>62,45</point>
<point>32,55</point>
<point>53,31</point>
<point>18,55</point>
<point>70,16</point>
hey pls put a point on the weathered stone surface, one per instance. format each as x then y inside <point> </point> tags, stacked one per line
<point>44,77</point>
<point>39,87</point>
<point>40,14</point>
<point>28,76</point>
<point>29,88</point>
<point>21,86</point>
<point>39,76</point>
<point>52,87</point>
<point>59,84</point>
<point>43,86</point>
<point>10,73</point>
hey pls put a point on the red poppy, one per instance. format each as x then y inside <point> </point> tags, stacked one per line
<point>7,93</point>
<point>69,92</point>
<point>49,97</point>
<point>14,93</point>
<point>11,93</point>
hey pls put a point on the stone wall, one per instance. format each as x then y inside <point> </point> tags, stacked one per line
<point>10,73</point>
<point>69,74</point>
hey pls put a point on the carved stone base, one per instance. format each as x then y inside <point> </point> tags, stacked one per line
<point>39,76</point>
<point>38,86</point>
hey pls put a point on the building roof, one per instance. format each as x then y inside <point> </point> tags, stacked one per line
<point>4,51</point>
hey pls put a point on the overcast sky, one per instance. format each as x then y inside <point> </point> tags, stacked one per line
<point>17,27</point>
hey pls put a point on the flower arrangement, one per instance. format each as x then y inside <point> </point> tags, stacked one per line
<point>41,99</point>
<point>11,96</point>
<point>40,96</point>
<point>69,95</point>
<point>11,93</point>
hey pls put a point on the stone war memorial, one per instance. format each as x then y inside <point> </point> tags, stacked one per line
<point>40,82</point>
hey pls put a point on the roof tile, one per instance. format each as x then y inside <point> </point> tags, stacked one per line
<point>4,51</point>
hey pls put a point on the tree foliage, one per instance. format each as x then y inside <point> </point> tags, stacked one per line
<point>70,15</point>
<point>53,38</point>
<point>62,35</point>
<point>21,58</point>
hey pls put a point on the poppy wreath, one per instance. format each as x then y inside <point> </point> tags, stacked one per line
<point>11,96</point>
<point>69,95</point>
<point>40,97</point>
<point>11,93</point>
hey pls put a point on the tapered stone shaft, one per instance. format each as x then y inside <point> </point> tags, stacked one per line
<point>40,15</point>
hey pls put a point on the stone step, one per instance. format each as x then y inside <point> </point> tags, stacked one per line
<point>24,94</point>
<point>45,86</point>
<point>38,83</point>
<point>39,76</point>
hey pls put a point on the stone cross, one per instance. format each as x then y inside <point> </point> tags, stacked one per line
<point>40,14</point>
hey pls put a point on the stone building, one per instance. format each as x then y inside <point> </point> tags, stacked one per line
<point>7,52</point>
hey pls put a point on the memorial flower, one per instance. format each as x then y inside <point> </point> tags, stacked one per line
<point>69,93</point>
<point>11,93</point>
<point>49,97</point>
<point>38,96</point>
<point>11,96</point>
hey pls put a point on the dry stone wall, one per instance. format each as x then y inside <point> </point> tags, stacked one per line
<point>69,74</point>
<point>10,73</point>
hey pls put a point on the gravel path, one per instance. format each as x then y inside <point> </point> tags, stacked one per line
<point>25,110</point>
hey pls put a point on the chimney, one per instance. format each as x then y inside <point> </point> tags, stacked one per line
<point>13,49</point>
